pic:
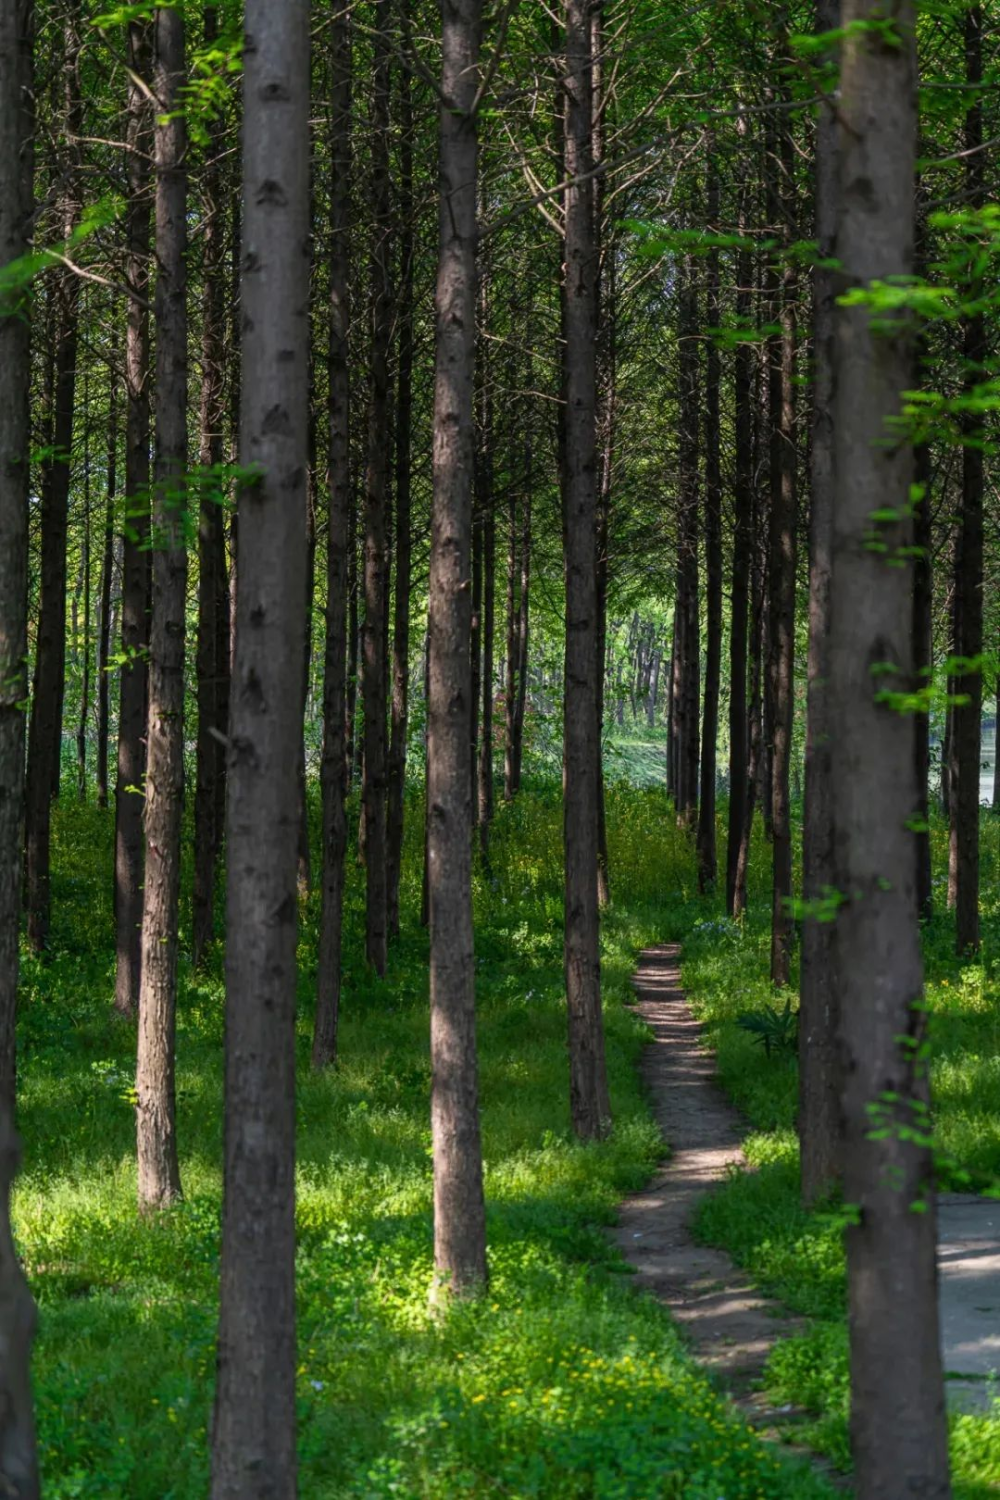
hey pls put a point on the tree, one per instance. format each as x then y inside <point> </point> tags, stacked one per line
<point>18,1458</point>
<point>707,859</point>
<point>334,768</point>
<point>156,1128</point>
<point>253,1439</point>
<point>133,677</point>
<point>898,1422</point>
<point>589,1102</point>
<point>459,1211</point>
<point>819,1110</point>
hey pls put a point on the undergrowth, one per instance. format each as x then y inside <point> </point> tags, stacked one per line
<point>563,1384</point>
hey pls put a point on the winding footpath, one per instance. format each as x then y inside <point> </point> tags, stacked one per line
<point>729,1324</point>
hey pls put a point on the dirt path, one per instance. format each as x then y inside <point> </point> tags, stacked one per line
<point>729,1324</point>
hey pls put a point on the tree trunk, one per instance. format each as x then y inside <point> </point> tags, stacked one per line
<point>18,1456</point>
<point>742,546</point>
<point>686,615</point>
<point>104,607</point>
<point>45,725</point>
<point>213,584</point>
<point>819,1083</point>
<point>81,728</point>
<point>510,670</point>
<point>459,1211</point>
<point>898,1423</point>
<point>522,628</point>
<point>333,774</point>
<point>253,1440</point>
<point>485,807</point>
<point>707,858</point>
<point>133,678</point>
<point>923,648</point>
<point>589,1102</point>
<point>475,651</point>
<point>969,550</point>
<point>403,518</point>
<point>376,502</point>
<point>156,1132</point>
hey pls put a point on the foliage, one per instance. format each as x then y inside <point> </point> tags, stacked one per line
<point>562,1383</point>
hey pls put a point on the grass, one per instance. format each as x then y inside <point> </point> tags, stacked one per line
<point>563,1383</point>
<point>757,1217</point>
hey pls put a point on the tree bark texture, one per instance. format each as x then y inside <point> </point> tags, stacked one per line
<point>898,1421</point>
<point>104,606</point>
<point>156,1109</point>
<point>459,1212</point>
<point>707,857</point>
<point>253,1440</point>
<point>589,1102</point>
<point>739,598</point>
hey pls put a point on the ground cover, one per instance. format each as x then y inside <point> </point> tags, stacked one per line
<point>563,1383</point>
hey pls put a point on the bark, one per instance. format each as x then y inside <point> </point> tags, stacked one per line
<point>45,725</point>
<point>923,638</point>
<point>589,1102</point>
<point>253,1441</point>
<point>898,1421</point>
<point>212,666</point>
<point>333,771</point>
<point>156,1130</point>
<point>707,857</point>
<point>687,648</point>
<point>353,640</point>
<point>967,728</point>
<point>523,621</point>
<point>133,678</point>
<point>400,709</point>
<point>376,504</point>
<point>84,579</point>
<point>819,1083</point>
<point>18,1456</point>
<point>485,782</point>
<point>104,606</point>
<point>604,316</point>
<point>781,643</point>
<point>475,652</point>
<point>742,545</point>
<point>459,1212</point>
<point>510,668</point>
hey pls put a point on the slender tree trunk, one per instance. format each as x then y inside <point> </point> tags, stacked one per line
<point>819,1083</point>
<point>510,670</point>
<point>45,725</point>
<point>104,607</point>
<point>686,614</point>
<point>898,1423</point>
<point>967,733</point>
<point>353,639</point>
<point>589,1102</point>
<point>781,657</point>
<point>459,1211</point>
<point>605,319</point>
<point>923,647</point>
<point>475,651</point>
<point>253,1440</point>
<point>81,728</point>
<point>18,1456</point>
<point>333,774</point>
<point>376,504</point>
<point>707,857</point>
<point>485,809</point>
<point>403,519</point>
<point>742,544</point>
<point>213,584</point>
<point>129,842</point>
<point>156,1131</point>
<point>523,621</point>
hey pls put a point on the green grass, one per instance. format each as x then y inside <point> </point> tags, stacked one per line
<point>563,1383</point>
<point>757,1216</point>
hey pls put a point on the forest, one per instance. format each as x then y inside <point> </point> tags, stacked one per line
<point>499,781</point>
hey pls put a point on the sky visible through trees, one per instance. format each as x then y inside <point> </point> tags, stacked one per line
<point>486,488</point>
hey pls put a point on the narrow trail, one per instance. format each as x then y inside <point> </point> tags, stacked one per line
<point>728,1323</point>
